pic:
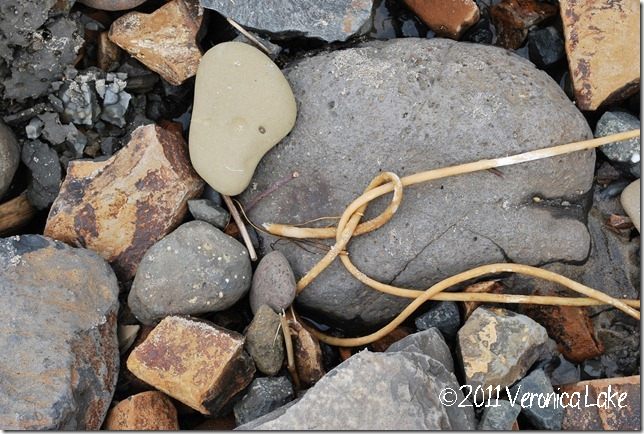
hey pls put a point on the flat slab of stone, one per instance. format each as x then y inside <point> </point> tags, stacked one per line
<point>59,356</point>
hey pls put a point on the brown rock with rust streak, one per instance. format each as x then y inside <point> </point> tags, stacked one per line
<point>569,326</point>
<point>447,18</point>
<point>109,54</point>
<point>381,345</point>
<point>624,415</point>
<point>165,40</point>
<point>194,361</point>
<point>143,411</point>
<point>603,47</point>
<point>513,18</point>
<point>122,206</point>
<point>308,354</point>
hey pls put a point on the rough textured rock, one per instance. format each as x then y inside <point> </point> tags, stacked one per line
<point>376,391</point>
<point>546,47</point>
<point>263,341</point>
<point>46,175</point>
<point>445,316</point>
<point>165,40</point>
<point>407,106</point>
<point>607,417</point>
<point>333,20</point>
<point>603,50</point>
<point>195,269</point>
<point>498,346</point>
<point>9,157</point>
<point>543,413</point>
<point>625,153</point>
<point>264,395</point>
<point>446,18</point>
<point>207,211</point>
<point>59,356</point>
<point>630,200</point>
<point>143,411</point>
<point>513,19</point>
<point>122,206</point>
<point>500,416</point>
<point>195,362</point>
<point>429,342</point>
<point>273,283</point>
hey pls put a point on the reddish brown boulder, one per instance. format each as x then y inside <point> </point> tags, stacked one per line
<point>513,18</point>
<point>144,411</point>
<point>603,46</point>
<point>165,40</point>
<point>122,206</point>
<point>447,18</point>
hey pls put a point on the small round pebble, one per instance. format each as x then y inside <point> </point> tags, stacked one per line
<point>263,342</point>
<point>273,283</point>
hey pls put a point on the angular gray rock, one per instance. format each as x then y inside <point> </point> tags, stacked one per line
<point>331,20</point>
<point>59,354</point>
<point>263,341</point>
<point>407,106</point>
<point>544,412</point>
<point>9,157</point>
<point>195,269</point>
<point>429,342</point>
<point>273,283</point>
<point>376,391</point>
<point>207,211</point>
<point>264,395</point>
<point>627,152</point>
<point>499,416</point>
<point>444,315</point>
<point>46,174</point>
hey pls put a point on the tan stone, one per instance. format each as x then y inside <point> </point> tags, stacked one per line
<point>165,40</point>
<point>624,415</point>
<point>447,18</point>
<point>603,47</point>
<point>144,411</point>
<point>194,361</point>
<point>122,206</point>
<point>630,200</point>
<point>513,19</point>
<point>109,54</point>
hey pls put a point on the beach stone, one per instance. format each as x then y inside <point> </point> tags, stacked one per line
<point>122,206</point>
<point>448,19</point>
<point>207,211</point>
<point>498,346</point>
<point>630,200</point>
<point>626,153</point>
<point>194,361</point>
<point>306,353</point>
<point>429,342</point>
<point>334,20</point>
<point>165,40</point>
<point>500,416</point>
<point>562,371</point>
<point>265,394</point>
<point>141,412</point>
<point>376,391</point>
<point>602,43</point>
<point>112,5</point>
<point>399,106</point>
<point>59,356</point>
<point>546,46</point>
<point>445,316</point>
<point>195,269</point>
<point>273,283</point>
<point>234,122</point>
<point>46,174</point>
<point>263,341</point>
<point>541,415</point>
<point>514,18</point>
<point>9,157</point>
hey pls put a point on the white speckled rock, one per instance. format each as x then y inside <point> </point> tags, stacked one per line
<point>630,199</point>
<point>273,283</point>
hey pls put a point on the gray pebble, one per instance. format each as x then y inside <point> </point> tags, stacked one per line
<point>273,283</point>
<point>445,316</point>
<point>265,394</point>
<point>263,342</point>
<point>207,211</point>
<point>626,152</point>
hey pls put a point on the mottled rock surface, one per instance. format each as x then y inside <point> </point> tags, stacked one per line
<point>265,394</point>
<point>407,106</point>
<point>273,283</point>
<point>626,153</point>
<point>195,269</point>
<point>122,206</point>
<point>264,342</point>
<point>9,157</point>
<point>144,411</point>
<point>59,355</point>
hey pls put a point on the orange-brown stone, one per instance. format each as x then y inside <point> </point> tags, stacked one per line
<point>144,411</point>
<point>603,46</point>
<point>381,345</point>
<point>447,18</point>
<point>194,361</point>
<point>165,41</point>
<point>122,206</point>
<point>513,19</point>
<point>109,54</point>
<point>308,354</point>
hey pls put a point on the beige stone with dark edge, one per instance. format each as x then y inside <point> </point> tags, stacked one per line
<point>141,412</point>
<point>122,206</point>
<point>630,200</point>
<point>194,361</point>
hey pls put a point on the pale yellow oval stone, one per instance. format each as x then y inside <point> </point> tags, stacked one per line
<point>630,200</point>
<point>243,107</point>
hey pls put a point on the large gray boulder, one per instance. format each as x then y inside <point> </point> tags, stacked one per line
<point>59,354</point>
<point>407,106</point>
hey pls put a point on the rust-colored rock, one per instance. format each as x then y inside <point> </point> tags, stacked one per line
<point>194,361</point>
<point>569,326</point>
<point>308,354</point>
<point>144,411</point>
<point>489,286</point>
<point>447,18</point>
<point>122,206</point>
<point>109,54</point>
<point>112,5</point>
<point>165,40</point>
<point>603,47</point>
<point>613,414</point>
<point>513,18</point>
<point>381,345</point>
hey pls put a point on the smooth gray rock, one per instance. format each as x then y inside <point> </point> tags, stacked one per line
<point>407,106</point>
<point>265,394</point>
<point>9,157</point>
<point>46,174</point>
<point>273,283</point>
<point>59,356</point>
<point>207,211</point>
<point>263,341</point>
<point>376,391</point>
<point>544,412</point>
<point>331,20</point>
<point>445,316</point>
<point>193,270</point>
<point>429,342</point>
<point>626,152</point>
<point>499,416</point>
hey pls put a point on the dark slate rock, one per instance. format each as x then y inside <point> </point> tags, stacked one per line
<point>207,211</point>
<point>9,157</point>
<point>561,371</point>
<point>626,153</point>
<point>193,270</point>
<point>592,369</point>
<point>546,46</point>
<point>59,354</point>
<point>445,316</point>
<point>332,20</point>
<point>263,341</point>
<point>543,412</point>
<point>46,174</point>
<point>407,106</point>
<point>265,394</point>
<point>429,342</point>
<point>273,283</point>
<point>499,416</point>
<point>212,195</point>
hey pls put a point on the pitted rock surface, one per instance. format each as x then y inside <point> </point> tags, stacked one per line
<point>59,354</point>
<point>408,106</point>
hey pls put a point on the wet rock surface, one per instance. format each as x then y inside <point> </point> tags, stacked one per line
<point>59,359</point>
